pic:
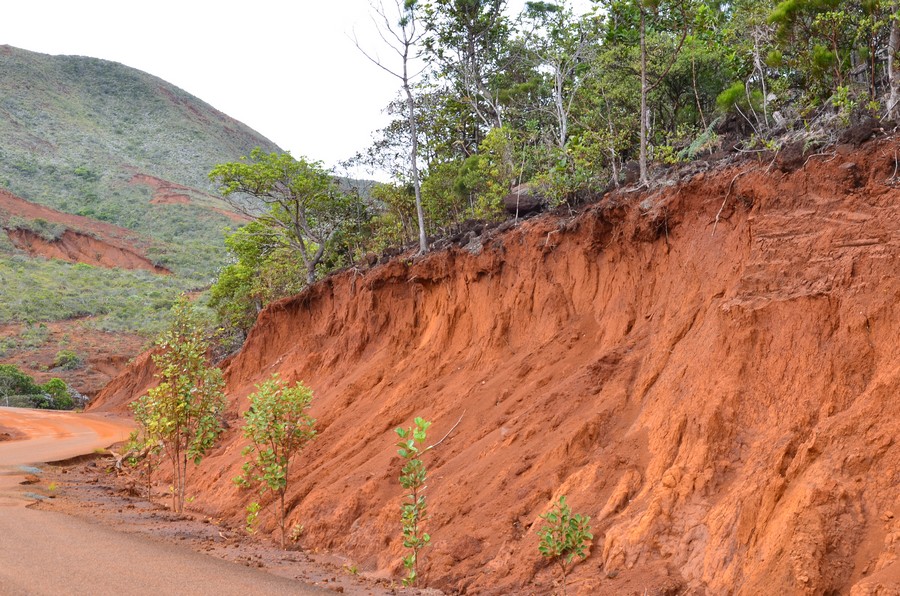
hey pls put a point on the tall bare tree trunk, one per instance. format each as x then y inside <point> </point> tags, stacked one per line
<point>893,73</point>
<point>404,33</point>
<point>645,179</point>
<point>413,161</point>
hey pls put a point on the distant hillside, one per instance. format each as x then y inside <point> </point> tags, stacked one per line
<point>99,139</point>
<point>106,212</point>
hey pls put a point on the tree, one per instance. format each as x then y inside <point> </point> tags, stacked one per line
<point>303,201</point>
<point>278,428</point>
<point>561,46</point>
<point>816,36</point>
<point>264,269</point>
<point>468,45</point>
<point>650,20</point>
<point>749,38</point>
<point>402,35</point>
<point>182,411</point>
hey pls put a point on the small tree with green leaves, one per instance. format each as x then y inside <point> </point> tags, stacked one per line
<point>144,445</point>
<point>181,412</point>
<point>278,428</point>
<point>564,537</point>
<point>413,510</point>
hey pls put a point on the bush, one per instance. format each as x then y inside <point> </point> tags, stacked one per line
<point>67,360</point>
<point>278,428</point>
<point>59,393</point>
<point>19,389</point>
<point>564,536</point>
<point>15,382</point>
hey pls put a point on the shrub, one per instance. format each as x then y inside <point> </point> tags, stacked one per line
<point>67,360</point>
<point>564,536</point>
<point>182,412</point>
<point>59,393</point>
<point>278,428</point>
<point>19,389</point>
<point>414,510</point>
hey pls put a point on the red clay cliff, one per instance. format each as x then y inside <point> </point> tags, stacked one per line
<point>710,371</point>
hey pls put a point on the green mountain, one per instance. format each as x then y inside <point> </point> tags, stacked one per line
<point>99,139</point>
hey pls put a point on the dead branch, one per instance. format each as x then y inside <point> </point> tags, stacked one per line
<point>727,194</point>
<point>448,432</point>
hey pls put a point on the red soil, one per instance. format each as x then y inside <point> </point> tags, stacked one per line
<point>170,193</point>
<point>710,372</point>
<point>170,199</point>
<point>105,355</point>
<point>85,241</point>
<point>76,247</point>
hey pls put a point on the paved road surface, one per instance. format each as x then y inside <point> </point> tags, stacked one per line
<point>44,552</point>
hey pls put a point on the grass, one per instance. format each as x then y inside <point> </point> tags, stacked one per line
<point>36,290</point>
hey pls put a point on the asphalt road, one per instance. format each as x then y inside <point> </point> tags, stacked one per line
<point>44,552</point>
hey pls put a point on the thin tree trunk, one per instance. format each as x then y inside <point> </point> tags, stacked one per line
<point>757,62</point>
<point>893,74</point>
<point>183,482</point>
<point>413,161</point>
<point>644,179</point>
<point>149,473</point>
<point>176,472</point>
<point>282,520</point>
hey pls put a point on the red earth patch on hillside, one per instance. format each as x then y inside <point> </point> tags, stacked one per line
<point>709,370</point>
<point>85,240</point>
<point>171,193</point>
<point>76,247</point>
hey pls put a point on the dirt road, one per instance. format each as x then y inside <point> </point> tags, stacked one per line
<point>43,552</point>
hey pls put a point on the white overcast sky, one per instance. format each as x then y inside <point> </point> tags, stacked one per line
<point>286,68</point>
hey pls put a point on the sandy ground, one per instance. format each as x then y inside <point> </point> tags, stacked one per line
<point>62,530</point>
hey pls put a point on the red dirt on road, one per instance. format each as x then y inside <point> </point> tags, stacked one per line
<point>45,553</point>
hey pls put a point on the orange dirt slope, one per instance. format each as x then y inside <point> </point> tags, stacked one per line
<point>84,241</point>
<point>710,372</point>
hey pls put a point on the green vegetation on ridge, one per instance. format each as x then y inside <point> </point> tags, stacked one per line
<point>18,389</point>
<point>51,290</point>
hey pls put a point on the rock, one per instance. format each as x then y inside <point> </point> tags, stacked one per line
<point>850,171</point>
<point>524,198</point>
<point>632,171</point>
<point>860,132</point>
<point>791,156</point>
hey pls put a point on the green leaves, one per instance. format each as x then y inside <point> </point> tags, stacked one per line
<point>303,204</point>
<point>182,411</point>
<point>565,536</point>
<point>414,508</point>
<point>278,428</point>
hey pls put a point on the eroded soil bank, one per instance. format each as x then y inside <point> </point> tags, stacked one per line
<point>710,372</point>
